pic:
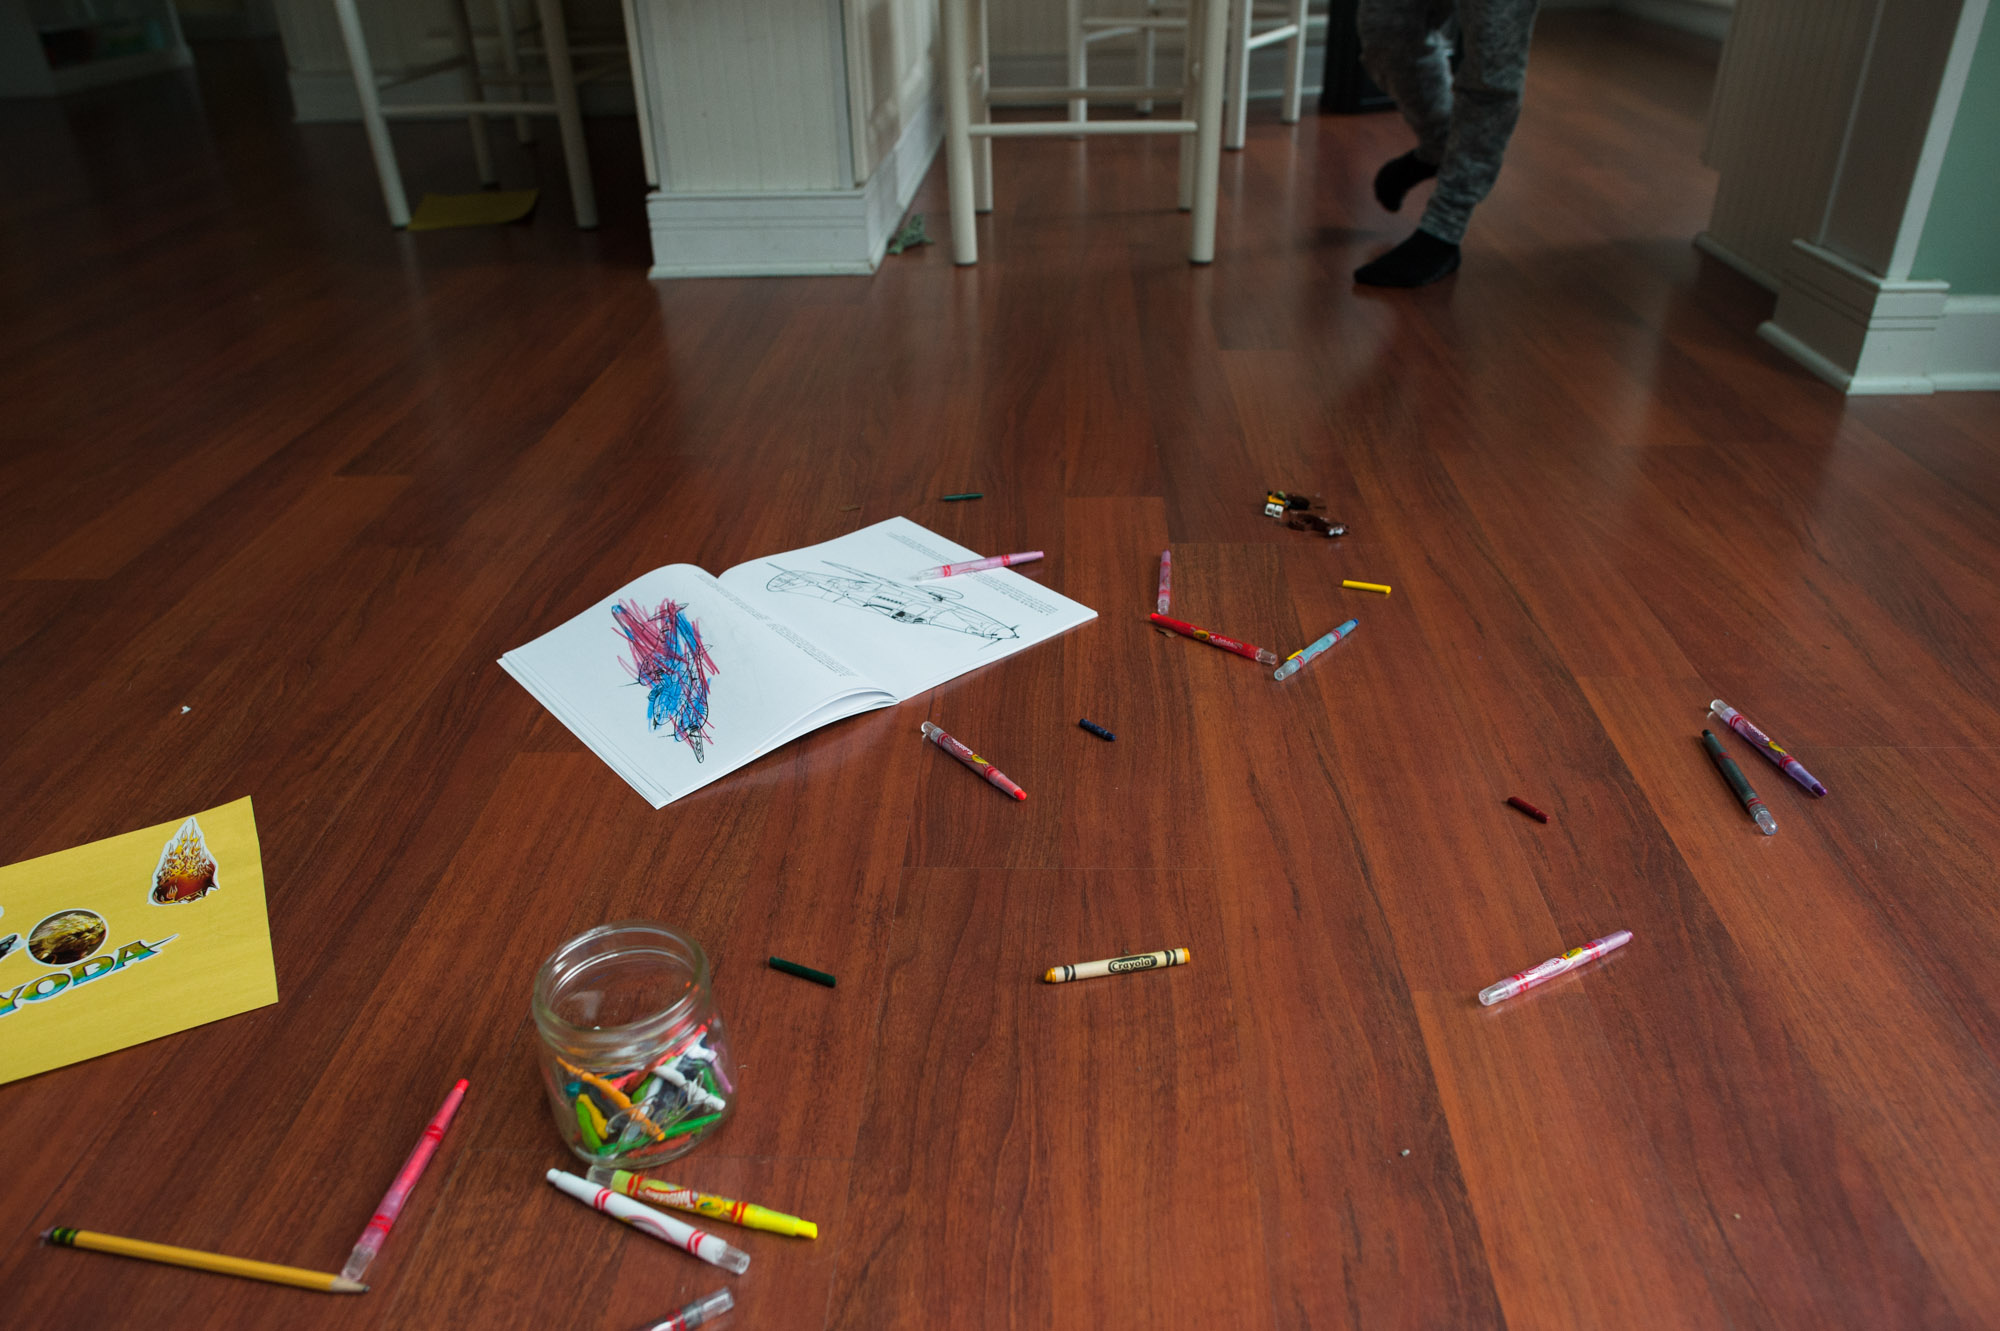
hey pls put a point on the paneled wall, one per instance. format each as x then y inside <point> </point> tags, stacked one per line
<point>751,96</point>
<point>1777,121</point>
<point>889,70</point>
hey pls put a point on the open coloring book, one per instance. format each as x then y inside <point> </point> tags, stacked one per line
<point>681,677</point>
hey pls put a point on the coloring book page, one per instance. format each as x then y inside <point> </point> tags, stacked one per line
<point>856,596</point>
<point>674,681</point>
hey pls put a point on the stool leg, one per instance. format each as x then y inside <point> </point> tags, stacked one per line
<point>1295,65</point>
<point>1238,95</point>
<point>982,110</point>
<point>1149,50</point>
<point>1079,57</point>
<point>569,117</point>
<point>958,129</point>
<point>461,33</point>
<point>1208,134</point>
<point>1189,99</point>
<point>371,113</point>
<point>510,60</point>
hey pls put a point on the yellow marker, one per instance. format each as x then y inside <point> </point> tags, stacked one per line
<point>204,1261</point>
<point>703,1203</point>
<point>1366,586</point>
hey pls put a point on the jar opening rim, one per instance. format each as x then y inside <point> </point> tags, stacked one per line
<point>642,936</point>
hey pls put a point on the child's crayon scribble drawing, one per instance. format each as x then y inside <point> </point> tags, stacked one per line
<point>938,607</point>
<point>669,659</point>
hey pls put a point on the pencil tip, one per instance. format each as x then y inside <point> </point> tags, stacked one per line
<point>342,1285</point>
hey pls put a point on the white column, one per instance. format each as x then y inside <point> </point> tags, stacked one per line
<point>788,136</point>
<point>1848,307</point>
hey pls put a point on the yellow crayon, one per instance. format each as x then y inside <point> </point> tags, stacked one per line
<point>615,1096</point>
<point>590,1122</point>
<point>1366,586</point>
<point>204,1261</point>
<point>1142,961</point>
<point>702,1203</point>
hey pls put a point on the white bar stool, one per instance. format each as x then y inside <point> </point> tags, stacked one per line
<point>969,98</point>
<point>1251,28</point>
<point>563,106</point>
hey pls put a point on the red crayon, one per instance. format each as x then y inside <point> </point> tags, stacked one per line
<point>1527,808</point>
<point>1217,640</point>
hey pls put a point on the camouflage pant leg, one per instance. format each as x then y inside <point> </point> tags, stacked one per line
<point>1462,125</point>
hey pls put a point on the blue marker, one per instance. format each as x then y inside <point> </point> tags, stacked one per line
<point>1299,658</point>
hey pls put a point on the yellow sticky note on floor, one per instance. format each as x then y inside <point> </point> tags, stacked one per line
<point>493,207</point>
<point>128,939</point>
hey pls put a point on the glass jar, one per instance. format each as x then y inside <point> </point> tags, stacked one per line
<point>633,1052</point>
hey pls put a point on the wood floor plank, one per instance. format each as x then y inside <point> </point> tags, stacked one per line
<point>1036,1144</point>
<point>1932,1154</point>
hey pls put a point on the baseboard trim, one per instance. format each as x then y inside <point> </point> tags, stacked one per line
<point>1851,384</point>
<point>809,233</point>
<point>1858,330</point>
<point>1965,349</point>
<point>1706,242</point>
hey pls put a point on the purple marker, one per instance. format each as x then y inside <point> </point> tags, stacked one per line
<point>1787,764</point>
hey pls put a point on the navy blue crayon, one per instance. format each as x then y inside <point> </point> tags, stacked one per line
<point>1096,729</point>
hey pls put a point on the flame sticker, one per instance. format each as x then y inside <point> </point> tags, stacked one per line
<point>186,871</point>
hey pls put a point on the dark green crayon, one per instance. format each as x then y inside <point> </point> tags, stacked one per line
<point>970,494</point>
<point>803,972</point>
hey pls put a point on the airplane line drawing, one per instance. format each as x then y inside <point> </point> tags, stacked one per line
<point>935,607</point>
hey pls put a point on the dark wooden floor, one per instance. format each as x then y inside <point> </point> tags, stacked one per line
<point>269,460</point>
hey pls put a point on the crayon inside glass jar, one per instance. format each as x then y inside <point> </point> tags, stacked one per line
<point>633,1052</point>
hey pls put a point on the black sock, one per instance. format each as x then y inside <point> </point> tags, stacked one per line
<point>1418,261</point>
<point>1399,177</point>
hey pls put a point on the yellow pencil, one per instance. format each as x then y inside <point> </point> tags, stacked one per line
<point>1366,586</point>
<point>204,1261</point>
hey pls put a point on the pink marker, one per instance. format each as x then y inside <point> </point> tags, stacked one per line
<point>385,1215</point>
<point>1166,599</point>
<point>976,565</point>
<point>978,764</point>
<point>1554,966</point>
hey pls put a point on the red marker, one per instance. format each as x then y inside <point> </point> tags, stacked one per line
<point>972,760</point>
<point>1217,640</point>
<point>1527,808</point>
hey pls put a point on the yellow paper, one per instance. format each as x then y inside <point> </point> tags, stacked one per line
<point>125,940</point>
<point>486,208</point>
